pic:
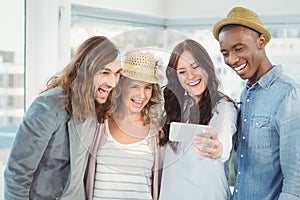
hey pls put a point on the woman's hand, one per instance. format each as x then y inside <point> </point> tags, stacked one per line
<point>208,146</point>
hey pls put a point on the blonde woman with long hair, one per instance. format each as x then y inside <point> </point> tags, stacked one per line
<point>126,161</point>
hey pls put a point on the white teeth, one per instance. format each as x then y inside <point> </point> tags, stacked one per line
<point>106,90</point>
<point>240,67</point>
<point>136,101</point>
<point>194,83</point>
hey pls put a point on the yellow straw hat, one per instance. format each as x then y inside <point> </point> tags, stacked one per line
<point>242,16</point>
<point>140,66</point>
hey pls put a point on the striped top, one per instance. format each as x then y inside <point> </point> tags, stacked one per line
<point>123,170</point>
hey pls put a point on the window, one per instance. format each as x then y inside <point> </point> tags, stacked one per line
<point>131,30</point>
<point>11,76</point>
<point>136,30</point>
<point>11,65</point>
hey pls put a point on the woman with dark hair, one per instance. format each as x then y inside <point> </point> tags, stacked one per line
<point>50,150</point>
<point>195,170</point>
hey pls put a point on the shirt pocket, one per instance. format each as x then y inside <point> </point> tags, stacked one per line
<point>260,135</point>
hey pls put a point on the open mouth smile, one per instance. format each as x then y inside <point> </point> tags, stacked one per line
<point>240,68</point>
<point>193,84</point>
<point>137,103</point>
<point>103,91</point>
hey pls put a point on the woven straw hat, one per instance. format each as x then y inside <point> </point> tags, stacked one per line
<point>242,16</point>
<point>140,66</point>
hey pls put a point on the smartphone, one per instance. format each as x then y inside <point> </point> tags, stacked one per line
<point>184,132</point>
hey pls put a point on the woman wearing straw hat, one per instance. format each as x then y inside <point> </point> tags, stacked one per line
<point>196,171</point>
<point>268,148</point>
<point>127,157</point>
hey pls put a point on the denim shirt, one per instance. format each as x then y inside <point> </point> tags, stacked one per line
<point>268,152</point>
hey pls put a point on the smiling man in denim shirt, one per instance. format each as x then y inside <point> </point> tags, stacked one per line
<point>268,148</point>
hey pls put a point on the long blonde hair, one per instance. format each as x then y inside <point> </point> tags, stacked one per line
<point>77,78</point>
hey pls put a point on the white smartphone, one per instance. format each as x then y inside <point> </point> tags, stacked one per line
<point>184,132</point>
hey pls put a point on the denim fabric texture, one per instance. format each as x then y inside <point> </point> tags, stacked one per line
<point>268,152</point>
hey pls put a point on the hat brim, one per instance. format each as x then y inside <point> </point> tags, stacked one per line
<point>240,21</point>
<point>139,76</point>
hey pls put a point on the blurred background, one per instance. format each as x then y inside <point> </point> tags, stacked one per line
<point>38,37</point>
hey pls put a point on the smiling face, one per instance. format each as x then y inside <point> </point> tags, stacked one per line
<point>106,79</point>
<point>135,95</point>
<point>191,76</point>
<point>243,51</point>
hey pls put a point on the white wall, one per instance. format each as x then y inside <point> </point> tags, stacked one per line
<point>47,42</point>
<point>41,44</point>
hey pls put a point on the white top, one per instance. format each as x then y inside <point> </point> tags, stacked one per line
<point>123,170</point>
<point>224,122</point>
<point>188,175</point>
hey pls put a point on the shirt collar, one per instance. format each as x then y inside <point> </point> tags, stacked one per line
<point>268,78</point>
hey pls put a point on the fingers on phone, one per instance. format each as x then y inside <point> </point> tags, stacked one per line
<point>205,151</point>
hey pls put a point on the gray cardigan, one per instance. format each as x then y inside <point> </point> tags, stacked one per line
<point>49,153</point>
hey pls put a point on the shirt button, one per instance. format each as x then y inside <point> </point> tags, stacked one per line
<point>245,120</point>
<point>236,190</point>
<point>239,172</point>
<point>242,156</point>
<point>248,100</point>
<point>243,137</point>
